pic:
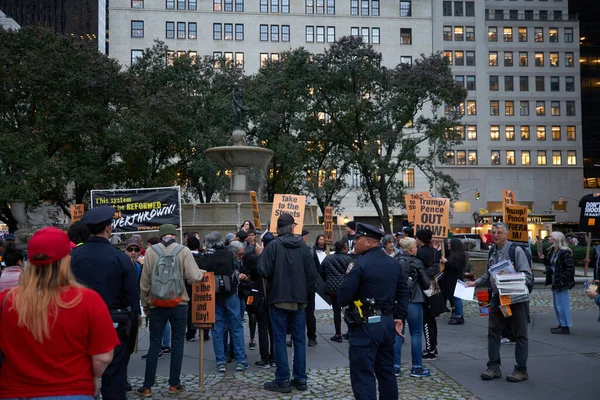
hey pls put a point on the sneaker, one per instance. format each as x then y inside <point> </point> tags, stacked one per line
<point>263,364</point>
<point>505,341</point>
<point>145,356</point>
<point>517,376</point>
<point>144,391</point>
<point>457,321</point>
<point>165,350</point>
<point>242,366</point>
<point>252,346</point>
<point>221,368</point>
<point>429,356</point>
<point>346,336</point>
<point>490,374</point>
<point>397,371</point>
<point>419,372</point>
<point>174,389</point>
<point>562,330</point>
<point>312,342</point>
<point>272,362</point>
<point>337,338</point>
<point>299,385</point>
<point>192,339</point>
<point>275,386</point>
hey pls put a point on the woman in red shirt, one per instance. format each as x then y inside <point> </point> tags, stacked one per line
<point>56,335</point>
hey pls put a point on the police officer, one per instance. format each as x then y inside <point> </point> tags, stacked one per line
<point>101,267</point>
<point>376,291</point>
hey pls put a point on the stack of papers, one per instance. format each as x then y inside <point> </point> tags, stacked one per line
<point>511,284</point>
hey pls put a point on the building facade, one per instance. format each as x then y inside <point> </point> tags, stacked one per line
<point>7,23</point>
<point>518,59</point>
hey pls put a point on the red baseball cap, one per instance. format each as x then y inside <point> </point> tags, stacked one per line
<point>48,245</point>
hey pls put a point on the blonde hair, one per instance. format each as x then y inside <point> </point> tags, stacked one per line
<point>560,241</point>
<point>37,297</point>
<point>407,243</point>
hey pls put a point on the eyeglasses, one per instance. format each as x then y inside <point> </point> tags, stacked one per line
<point>497,233</point>
<point>133,249</point>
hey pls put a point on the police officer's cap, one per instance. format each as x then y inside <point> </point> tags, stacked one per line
<point>99,215</point>
<point>368,231</point>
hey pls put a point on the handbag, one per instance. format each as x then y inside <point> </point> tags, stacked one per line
<point>434,288</point>
<point>436,304</point>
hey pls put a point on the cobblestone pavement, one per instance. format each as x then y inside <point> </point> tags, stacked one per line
<point>331,383</point>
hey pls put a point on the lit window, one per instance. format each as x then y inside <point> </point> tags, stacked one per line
<point>447,32</point>
<point>492,34</point>
<point>364,32</point>
<point>493,58</point>
<point>408,178</point>
<point>217,5</point>
<point>525,157</point>
<point>571,157</point>
<point>541,157</point>
<point>264,59</point>
<point>555,133</point>
<point>239,60</point>
<point>509,108</point>
<point>406,60</point>
<point>494,107</point>
<point>459,58</point>
<point>471,107</point>
<point>553,35</point>
<point>472,157</point>
<point>555,108</point>
<point>495,157</point>
<point>510,157</point>
<point>509,132</point>
<point>523,59</point>
<point>556,157</point>
<point>405,35</point>
<point>522,34</point>
<point>448,56</point>
<point>472,132</point>
<point>554,59</point>
<point>538,34</point>
<point>458,33</point>
<point>461,157</point>
<point>494,132</point>
<point>508,34</point>
<point>540,108</point>
<point>571,133</point>
<point>450,157</point>
<point>541,133</point>
<point>525,132</point>
<point>539,59</point>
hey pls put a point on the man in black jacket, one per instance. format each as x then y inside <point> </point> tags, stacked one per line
<point>288,266</point>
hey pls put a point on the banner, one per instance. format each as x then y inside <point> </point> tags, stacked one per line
<point>589,219</point>
<point>411,202</point>
<point>328,225</point>
<point>203,302</point>
<point>141,209</point>
<point>433,214</point>
<point>77,211</point>
<point>255,213</point>
<point>509,198</point>
<point>516,220</point>
<point>288,204</point>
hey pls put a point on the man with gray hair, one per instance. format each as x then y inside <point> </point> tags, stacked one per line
<point>287,264</point>
<point>517,322</point>
<point>219,259</point>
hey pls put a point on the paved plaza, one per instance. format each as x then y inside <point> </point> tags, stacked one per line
<point>560,366</point>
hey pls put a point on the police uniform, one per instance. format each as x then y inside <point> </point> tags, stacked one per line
<point>103,268</point>
<point>375,280</point>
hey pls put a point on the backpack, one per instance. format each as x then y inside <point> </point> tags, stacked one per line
<point>511,254</point>
<point>167,284</point>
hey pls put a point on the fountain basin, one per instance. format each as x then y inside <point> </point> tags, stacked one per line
<point>240,156</point>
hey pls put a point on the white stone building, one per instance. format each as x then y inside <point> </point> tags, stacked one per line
<point>7,23</point>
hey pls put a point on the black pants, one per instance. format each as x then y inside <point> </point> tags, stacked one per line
<point>265,335</point>
<point>115,375</point>
<point>191,331</point>
<point>252,325</point>
<point>311,321</point>
<point>429,329</point>
<point>516,324</point>
<point>337,315</point>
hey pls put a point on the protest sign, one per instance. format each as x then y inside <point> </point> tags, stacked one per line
<point>288,204</point>
<point>516,220</point>
<point>589,218</point>
<point>411,202</point>
<point>433,214</point>
<point>328,225</point>
<point>141,209</point>
<point>77,211</point>
<point>203,302</point>
<point>255,214</point>
<point>509,198</point>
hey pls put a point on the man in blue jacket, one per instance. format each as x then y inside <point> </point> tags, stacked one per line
<point>291,273</point>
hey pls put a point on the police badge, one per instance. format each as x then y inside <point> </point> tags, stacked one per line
<point>350,266</point>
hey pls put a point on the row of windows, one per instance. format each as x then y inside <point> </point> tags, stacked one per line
<point>522,34</point>
<point>469,132</point>
<point>527,15</point>
<point>320,34</point>
<point>170,4</point>
<point>469,157</point>
<point>459,33</point>
<point>192,30</point>
<point>461,8</point>
<point>364,33</point>
<point>318,7</point>
<point>271,33</point>
<point>229,58</point>
<point>228,5</point>
<point>509,108</point>
<point>538,56</point>
<point>226,31</point>
<point>365,6</point>
<point>540,83</point>
<point>460,57</point>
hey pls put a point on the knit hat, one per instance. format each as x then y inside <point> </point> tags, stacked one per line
<point>424,235</point>
<point>167,229</point>
<point>48,245</point>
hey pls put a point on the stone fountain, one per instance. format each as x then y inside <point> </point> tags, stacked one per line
<point>237,155</point>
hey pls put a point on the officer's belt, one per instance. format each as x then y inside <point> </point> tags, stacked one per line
<point>379,311</point>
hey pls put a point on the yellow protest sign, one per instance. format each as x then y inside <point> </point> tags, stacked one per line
<point>411,203</point>
<point>292,204</point>
<point>328,225</point>
<point>516,220</point>
<point>255,214</point>
<point>77,211</point>
<point>433,214</point>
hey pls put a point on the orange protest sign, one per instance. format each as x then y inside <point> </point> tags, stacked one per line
<point>255,214</point>
<point>292,204</point>
<point>516,220</point>
<point>77,211</point>
<point>203,302</point>
<point>328,225</point>
<point>433,214</point>
<point>411,203</point>
<point>509,198</point>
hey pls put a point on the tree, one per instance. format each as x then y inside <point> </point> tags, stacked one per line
<point>383,116</point>
<point>58,109</point>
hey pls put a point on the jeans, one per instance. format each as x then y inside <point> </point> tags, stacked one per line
<point>458,307</point>
<point>414,319</point>
<point>159,317</point>
<point>562,307</point>
<point>166,337</point>
<point>516,324</point>
<point>279,319</point>
<point>227,311</point>
<point>72,397</point>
